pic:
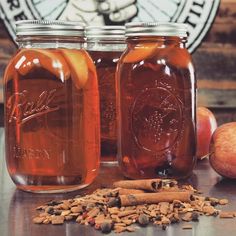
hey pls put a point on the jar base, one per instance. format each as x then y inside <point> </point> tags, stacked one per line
<point>51,189</point>
<point>109,163</point>
<point>148,176</point>
<point>52,184</point>
<point>108,160</point>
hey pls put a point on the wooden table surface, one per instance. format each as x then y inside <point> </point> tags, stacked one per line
<point>17,208</point>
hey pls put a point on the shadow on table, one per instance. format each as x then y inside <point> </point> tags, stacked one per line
<point>225,185</point>
<point>225,188</point>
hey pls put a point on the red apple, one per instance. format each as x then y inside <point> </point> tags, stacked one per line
<point>206,125</point>
<point>223,150</point>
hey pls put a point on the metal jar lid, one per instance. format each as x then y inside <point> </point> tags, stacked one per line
<point>49,28</point>
<point>105,32</point>
<point>155,29</point>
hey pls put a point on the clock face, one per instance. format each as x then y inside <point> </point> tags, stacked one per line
<point>197,14</point>
<point>48,9</point>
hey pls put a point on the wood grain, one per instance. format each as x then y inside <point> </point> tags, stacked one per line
<point>215,62</point>
<point>224,27</point>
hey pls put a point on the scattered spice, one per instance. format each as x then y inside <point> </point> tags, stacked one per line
<point>106,227</point>
<point>161,202</point>
<point>195,216</point>
<point>164,227</point>
<point>208,210</point>
<point>57,220</point>
<point>223,201</point>
<point>130,229</point>
<point>226,214</point>
<point>38,220</point>
<point>187,217</point>
<point>187,226</point>
<point>143,220</point>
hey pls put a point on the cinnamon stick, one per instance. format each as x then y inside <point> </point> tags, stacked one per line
<point>145,184</point>
<point>152,198</point>
<point>126,191</point>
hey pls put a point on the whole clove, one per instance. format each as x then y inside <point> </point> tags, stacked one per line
<point>106,227</point>
<point>195,216</point>
<point>143,220</point>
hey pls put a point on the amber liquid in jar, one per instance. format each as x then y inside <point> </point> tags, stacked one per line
<point>51,120</point>
<point>157,109</point>
<point>106,62</point>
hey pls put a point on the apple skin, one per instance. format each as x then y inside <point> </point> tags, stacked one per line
<point>223,150</point>
<point>206,125</point>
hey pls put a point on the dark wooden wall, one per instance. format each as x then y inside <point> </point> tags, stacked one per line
<point>215,62</point>
<point>7,49</point>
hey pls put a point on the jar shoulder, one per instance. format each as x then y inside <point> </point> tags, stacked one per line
<point>172,56</point>
<point>63,63</point>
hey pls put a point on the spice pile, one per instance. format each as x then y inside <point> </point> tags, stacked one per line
<point>160,202</point>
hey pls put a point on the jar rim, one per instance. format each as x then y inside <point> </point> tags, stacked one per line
<point>155,29</point>
<point>49,28</point>
<point>105,32</point>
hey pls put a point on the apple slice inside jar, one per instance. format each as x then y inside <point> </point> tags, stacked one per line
<point>140,52</point>
<point>77,62</point>
<point>176,57</point>
<point>49,59</point>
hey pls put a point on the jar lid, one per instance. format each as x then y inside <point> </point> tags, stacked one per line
<point>155,29</point>
<point>49,28</point>
<point>105,32</point>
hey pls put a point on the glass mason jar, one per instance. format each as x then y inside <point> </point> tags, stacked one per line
<point>156,100</point>
<point>105,44</point>
<point>51,109</point>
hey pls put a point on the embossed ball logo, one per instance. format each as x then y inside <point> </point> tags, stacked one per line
<point>197,14</point>
<point>156,119</point>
